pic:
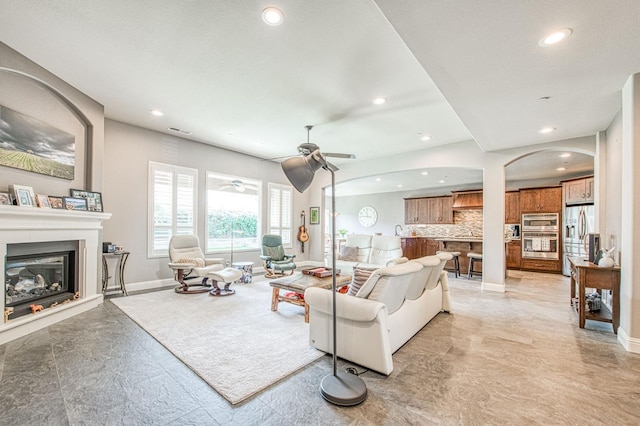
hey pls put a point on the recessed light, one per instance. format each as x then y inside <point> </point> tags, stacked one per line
<point>424,173</point>
<point>399,185</point>
<point>565,155</point>
<point>546,130</point>
<point>561,169</point>
<point>441,181</point>
<point>425,138</point>
<point>272,16</point>
<point>378,179</point>
<point>156,112</point>
<point>555,37</point>
<point>379,101</point>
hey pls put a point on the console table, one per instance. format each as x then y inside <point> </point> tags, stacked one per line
<point>118,279</point>
<point>589,275</point>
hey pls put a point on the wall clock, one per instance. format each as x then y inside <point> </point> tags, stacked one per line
<point>367,216</point>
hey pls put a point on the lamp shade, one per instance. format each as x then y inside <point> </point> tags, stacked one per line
<point>301,170</point>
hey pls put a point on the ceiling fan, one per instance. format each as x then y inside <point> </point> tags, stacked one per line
<point>236,184</point>
<point>306,149</point>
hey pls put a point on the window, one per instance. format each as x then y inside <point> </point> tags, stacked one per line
<point>233,213</point>
<point>280,201</point>
<point>172,205</point>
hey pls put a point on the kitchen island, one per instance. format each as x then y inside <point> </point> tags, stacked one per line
<point>463,245</point>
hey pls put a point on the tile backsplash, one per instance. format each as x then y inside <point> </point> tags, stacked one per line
<point>465,223</point>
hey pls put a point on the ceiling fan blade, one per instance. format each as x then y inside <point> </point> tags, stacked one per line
<point>338,155</point>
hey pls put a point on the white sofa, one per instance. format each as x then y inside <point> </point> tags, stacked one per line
<point>391,307</point>
<point>370,251</point>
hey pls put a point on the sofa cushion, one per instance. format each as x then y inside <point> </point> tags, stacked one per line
<point>384,248</point>
<point>389,285</point>
<point>363,242</point>
<point>360,276</point>
<point>430,265</point>
<point>349,254</point>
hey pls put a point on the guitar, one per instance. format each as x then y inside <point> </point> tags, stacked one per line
<point>303,236</point>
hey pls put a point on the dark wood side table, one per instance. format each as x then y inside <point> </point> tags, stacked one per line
<point>121,261</point>
<point>585,275</point>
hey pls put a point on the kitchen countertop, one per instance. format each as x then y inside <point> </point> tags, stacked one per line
<point>458,239</point>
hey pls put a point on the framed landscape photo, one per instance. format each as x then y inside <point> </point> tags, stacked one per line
<point>42,200</point>
<point>24,195</point>
<point>74,203</point>
<point>55,202</point>
<point>314,215</point>
<point>94,199</point>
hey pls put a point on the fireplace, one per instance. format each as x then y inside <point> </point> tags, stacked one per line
<point>40,274</point>
<point>53,256</point>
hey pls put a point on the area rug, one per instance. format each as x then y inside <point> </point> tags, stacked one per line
<point>235,343</point>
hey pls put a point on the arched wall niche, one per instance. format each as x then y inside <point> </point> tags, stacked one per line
<point>35,98</point>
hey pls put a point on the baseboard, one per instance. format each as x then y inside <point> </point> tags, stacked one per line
<point>169,282</point>
<point>631,344</point>
<point>501,288</point>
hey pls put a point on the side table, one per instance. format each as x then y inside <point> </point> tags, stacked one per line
<point>247,271</point>
<point>121,261</point>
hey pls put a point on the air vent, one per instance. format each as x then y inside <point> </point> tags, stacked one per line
<point>175,129</point>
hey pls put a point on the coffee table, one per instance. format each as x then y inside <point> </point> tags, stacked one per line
<point>298,283</point>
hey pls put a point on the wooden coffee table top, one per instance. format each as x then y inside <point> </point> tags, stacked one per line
<point>299,282</point>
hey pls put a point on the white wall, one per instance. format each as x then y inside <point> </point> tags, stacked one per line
<point>128,150</point>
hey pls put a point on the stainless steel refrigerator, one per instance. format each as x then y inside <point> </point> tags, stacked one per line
<point>578,222</point>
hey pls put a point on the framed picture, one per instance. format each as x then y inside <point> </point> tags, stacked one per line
<point>24,195</point>
<point>94,199</point>
<point>5,199</point>
<point>315,216</point>
<point>42,200</point>
<point>55,202</point>
<point>74,203</point>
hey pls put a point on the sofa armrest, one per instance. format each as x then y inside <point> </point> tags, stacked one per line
<point>446,298</point>
<point>263,257</point>
<point>347,307</point>
<point>213,261</point>
<point>289,256</point>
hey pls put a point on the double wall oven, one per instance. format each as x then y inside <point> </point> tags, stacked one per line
<point>540,236</point>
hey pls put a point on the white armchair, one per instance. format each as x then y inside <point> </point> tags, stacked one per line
<point>188,262</point>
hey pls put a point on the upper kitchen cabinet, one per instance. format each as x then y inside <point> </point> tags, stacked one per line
<point>512,207</point>
<point>415,211</point>
<point>578,191</point>
<point>439,210</point>
<point>467,200</point>
<point>541,200</point>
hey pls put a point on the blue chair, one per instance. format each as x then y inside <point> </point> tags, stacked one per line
<point>276,262</point>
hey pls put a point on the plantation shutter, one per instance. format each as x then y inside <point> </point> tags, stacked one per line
<point>280,215</point>
<point>172,201</point>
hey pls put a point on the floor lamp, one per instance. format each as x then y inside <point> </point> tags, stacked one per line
<point>339,388</point>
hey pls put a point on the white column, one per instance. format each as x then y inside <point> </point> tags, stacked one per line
<point>629,330</point>
<point>493,258</point>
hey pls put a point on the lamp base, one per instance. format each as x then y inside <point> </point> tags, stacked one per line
<point>343,389</point>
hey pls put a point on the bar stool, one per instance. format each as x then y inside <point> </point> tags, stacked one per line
<point>473,257</point>
<point>456,261</point>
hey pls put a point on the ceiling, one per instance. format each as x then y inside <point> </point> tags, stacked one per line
<point>453,70</point>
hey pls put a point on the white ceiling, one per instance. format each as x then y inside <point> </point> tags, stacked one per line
<point>215,69</point>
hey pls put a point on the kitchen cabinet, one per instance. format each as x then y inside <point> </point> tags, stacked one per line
<point>512,207</point>
<point>415,247</point>
<point>541,265</point>
<point>541,200</point>
<point>409,247</point>
<point>432,210</point>
<point>439,210</point>
<point>415,210</point>
<point>514,254</point>
<point>578,191</point>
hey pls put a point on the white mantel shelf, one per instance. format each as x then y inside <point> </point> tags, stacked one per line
<point>21,224</point>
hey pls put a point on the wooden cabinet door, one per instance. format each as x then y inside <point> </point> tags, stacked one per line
<point>529,200</point>
<point>423,210</point>
<point>410,211</point>
<point>431,246</point>
<point>512,207</point>
<point>574,191</point>
<point>446,209</point>
<point>588,189</point>
<point>514,254</point>
<point>409,247</point>
<point>551,199</point>
<point>439,210</point>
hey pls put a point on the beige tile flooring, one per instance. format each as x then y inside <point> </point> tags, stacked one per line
<point>512,358</point>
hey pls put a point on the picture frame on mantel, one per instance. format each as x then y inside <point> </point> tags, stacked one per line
<point>94,199</point>
<point>24,195</point>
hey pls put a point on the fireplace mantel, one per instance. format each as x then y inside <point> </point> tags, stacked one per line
<point>21,224</point>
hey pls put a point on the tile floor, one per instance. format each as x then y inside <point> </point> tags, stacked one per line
<point>512,358</point>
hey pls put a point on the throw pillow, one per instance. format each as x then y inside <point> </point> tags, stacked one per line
<point>195,260</point>
<point>349,254</point>
<point>360,276</point>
